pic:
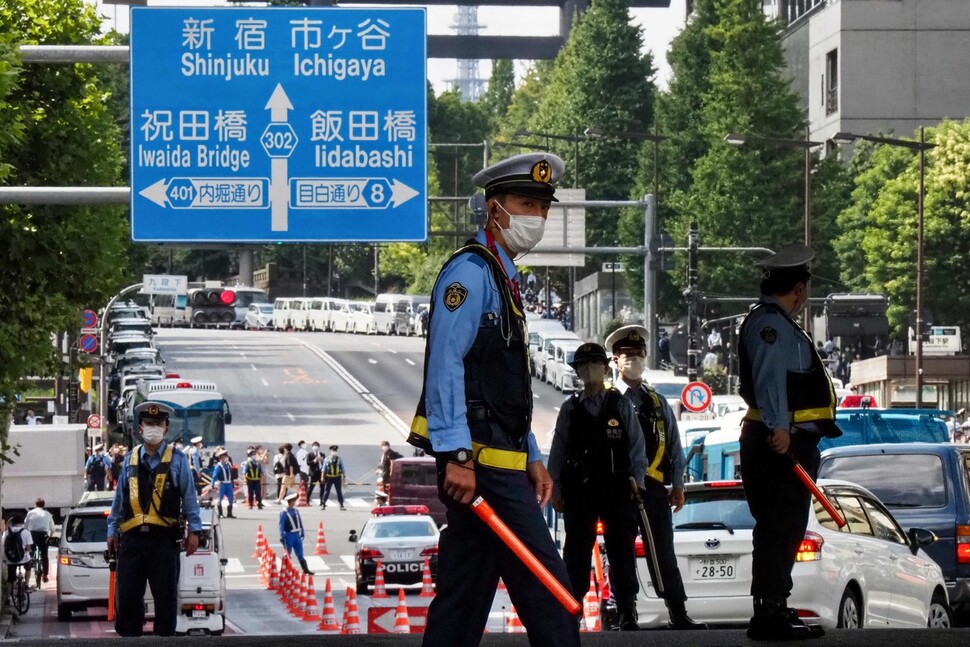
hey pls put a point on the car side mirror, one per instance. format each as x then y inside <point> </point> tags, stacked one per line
<point>920,538</point>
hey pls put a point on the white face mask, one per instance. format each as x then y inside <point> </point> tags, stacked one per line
<point>524,232</point>
<point>632,366</point>
<point>153,434</point>
<point>591,372</point>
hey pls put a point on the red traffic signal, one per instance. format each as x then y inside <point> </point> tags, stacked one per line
<point>227,297</point>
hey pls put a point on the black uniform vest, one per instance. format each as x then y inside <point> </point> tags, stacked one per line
<point>655,433</point>
<point>598,453</point>
<point>811,396</point>
<point>498,385</point>
<point>170,509</point>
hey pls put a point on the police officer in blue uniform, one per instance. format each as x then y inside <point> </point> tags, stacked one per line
<point>665,465</point>
<point>292,532</point>
<point>597,460</point>
<point>791,407</point>
<point>475,417</point>
<point>153,504</point>
<point>222,482</point>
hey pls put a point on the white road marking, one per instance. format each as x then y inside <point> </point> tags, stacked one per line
<point>234,566</point>
<point>291,417</point>
<point>371,361</point>
<point>394,352</point>
<point>263,380</point>
<point>254,367</point>
<point>409,361</point>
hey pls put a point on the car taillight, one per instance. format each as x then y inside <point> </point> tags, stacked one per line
<point>599,527</point>
<point>370,553</point>
<point>963,544</point>
<point>430,551</point>
<point>638,548</point>
<point>810,550</point>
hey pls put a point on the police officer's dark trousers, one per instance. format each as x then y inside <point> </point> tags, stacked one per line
<point>147,557</point>
<point>332,482</point>
<point>583,505</point>
<point>779,503</point>
<point>471,559</point>
<point>254,492</point>
<point>656,503</point>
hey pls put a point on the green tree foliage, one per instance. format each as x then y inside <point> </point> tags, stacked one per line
<point>600,79</point>
<point>522,109</point>
<point>501,87</point>
<point>56,131</point>
<point>884,208</point>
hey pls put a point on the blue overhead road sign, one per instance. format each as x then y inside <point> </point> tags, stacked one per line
<point>278,125</point>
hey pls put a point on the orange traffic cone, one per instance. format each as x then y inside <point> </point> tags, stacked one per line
<point>321,548</point>
<point>302,501</point>
<point>298,601</point>
<point>401,623</point>
<point>274,577</point>
<point>501,584</point>
<point>310,613</point>
<point>591,608</point>
<point>260,539</point>
<point>512,623</point>
<point>351,615</point>
<point>427,586</point>
<point>328,619</point>
<point>380,591</point>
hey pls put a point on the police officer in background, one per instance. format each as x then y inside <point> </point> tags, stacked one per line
<point>253,470</point>
<point>222,482</point>
<point>154,502</point>
<point>665,465</point>
<point>475,417</point>
<point>195,461</point>
<point>292,532</point>
<point>791,407</point>
<point>96,469</point>
<point>596,462</point>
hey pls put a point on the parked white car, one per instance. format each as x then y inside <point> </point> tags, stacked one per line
<point>544,352</point>
<point>320,316</point>
<point>870,573</point>
<point>536,329</point>
<point>299,309</point>
<point>259,316</point>
<point>341,319</point>
<point>362,318</point>
<point>558,371</point>
<point>281,314</point>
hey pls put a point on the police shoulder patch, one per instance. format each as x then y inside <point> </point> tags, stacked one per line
<point>455,296</point>
<point>769,334</point>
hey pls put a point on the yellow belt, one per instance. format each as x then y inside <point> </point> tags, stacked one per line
<point>506,459</point>
<point>802,415</point>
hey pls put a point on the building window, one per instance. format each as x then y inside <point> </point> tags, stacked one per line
<point>832,82</point>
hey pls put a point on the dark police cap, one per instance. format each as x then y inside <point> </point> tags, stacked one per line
<point>632,336</point>
<point>334,448</point>
<point>153,411</point>
<point>589,352</point>
<point>533,175</point>
<point>790,259</point>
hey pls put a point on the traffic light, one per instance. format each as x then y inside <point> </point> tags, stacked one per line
<point>212,306</point>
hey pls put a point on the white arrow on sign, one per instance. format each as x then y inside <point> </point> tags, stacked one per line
<point>401,193</point>
<point>156,192</point>
<point>278,106</point>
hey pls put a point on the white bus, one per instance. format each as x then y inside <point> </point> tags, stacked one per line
<point>200,410</point>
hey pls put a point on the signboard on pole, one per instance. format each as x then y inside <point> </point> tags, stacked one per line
<point>164,284</point>
<point>565,227</point>
<point>696,397</point>
<point>278,124</point>
<point>94,421</point>
<point>88,343</point>
<point>89,318</point>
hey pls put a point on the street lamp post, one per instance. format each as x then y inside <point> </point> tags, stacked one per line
<point>737,139</point>
<point>921,146</point>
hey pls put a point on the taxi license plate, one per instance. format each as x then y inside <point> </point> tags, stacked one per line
<point>714,568</point>
<point>198,613</point>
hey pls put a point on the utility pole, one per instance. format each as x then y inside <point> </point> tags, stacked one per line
<point>693,243</point>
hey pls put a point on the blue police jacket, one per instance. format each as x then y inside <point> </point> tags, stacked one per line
<point>178,471</point>
<point>452,334</point>
<point>290,521</point>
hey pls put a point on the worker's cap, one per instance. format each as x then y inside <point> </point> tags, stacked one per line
<point>250,451</point>
<point>292,496</point>
<point>334,448</point>
<point>589,352</point>
<point>155,411</point>
<point>790,260</point>
<point>221,453</point>
<point>632,336</point>
<point>533,175</point>
<point>98,447</point>
<point>197,440</point>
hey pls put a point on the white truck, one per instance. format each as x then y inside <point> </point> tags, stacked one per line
<point>50,465</point>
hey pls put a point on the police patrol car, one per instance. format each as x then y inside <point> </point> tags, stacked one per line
<point>401,537</point>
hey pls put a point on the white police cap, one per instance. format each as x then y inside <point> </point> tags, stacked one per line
<point>153,411</point>
<point>790,258</point>
<point>529,174</point>
<point>632,336</point>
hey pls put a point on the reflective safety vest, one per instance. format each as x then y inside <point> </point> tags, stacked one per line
<point>498,383</point>
<point>163,503</point>
<point>293,523</point>
<point>253,469</point>
<point>333,468</point>
<point>651,417</point>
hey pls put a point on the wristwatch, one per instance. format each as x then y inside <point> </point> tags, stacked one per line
<point>461,455</point>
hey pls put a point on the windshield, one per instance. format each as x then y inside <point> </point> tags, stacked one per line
<point>403,528</point>
<point>898,480</point>
<point>207,423</point>
<point>87,529</point>
<point>266,309</point>
<point>243,299</point>
<point>668,389</point>
<point>710,506</point>
<point>865,429</point>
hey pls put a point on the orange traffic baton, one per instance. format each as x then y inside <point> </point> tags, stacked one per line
<point>112,572</point>
<point>816,492</point>
<point>485,512</point>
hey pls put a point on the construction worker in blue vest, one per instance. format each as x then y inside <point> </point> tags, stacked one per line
<point>253,471</point>
<point>334,476</point>
<point>791,406</point>
<point>96,469</point>
<point>665,467</point>
<point>222,482</point>
<point>596,462</point>
<point>291,530</point>
<point>475,418</point>
<point>153,508</point>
